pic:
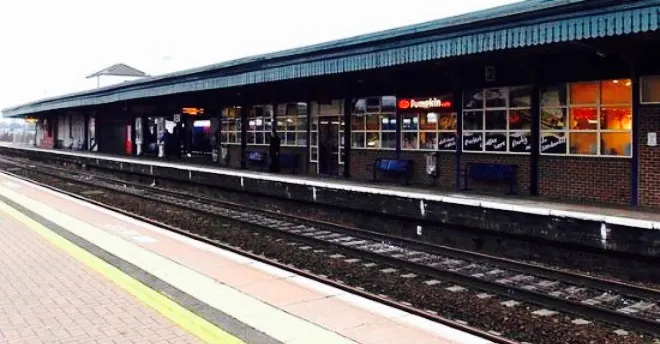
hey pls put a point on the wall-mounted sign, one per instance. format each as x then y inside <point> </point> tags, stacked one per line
<point>490,74</point>
<point>652,139</point>
<point>430,103</point>
<point>176,118</point>
<point>192,111</point>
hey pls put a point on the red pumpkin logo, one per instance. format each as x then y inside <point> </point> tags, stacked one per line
<point>404,104</point>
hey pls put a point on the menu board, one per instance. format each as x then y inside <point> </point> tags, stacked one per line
<point>447,141</point>
<point>473,142</point>
<point>496,142</point>
<point>553,143</point>
<point>520,142</point>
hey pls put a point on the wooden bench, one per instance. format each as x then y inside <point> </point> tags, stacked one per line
<point>491,173</point>
<point>289,161</point>
<point>256,158</point>
<point>396,167</point>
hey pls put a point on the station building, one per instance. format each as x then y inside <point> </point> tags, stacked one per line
<point>566,91</point>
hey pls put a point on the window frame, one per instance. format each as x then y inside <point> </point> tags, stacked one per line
<point>282,115</point>
<point>641,90</point>
<point>484,131</point>
<point>567,131</point>
<point>422,112</point>
<point>263,131</point>
<point>380,115</point>
<point>224,126</point>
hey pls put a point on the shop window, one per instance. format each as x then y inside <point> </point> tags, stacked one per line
<point>292,124</point>
<point>260,125</point>
<point>587,118</point>
<point>497,120</point>
<point>428,124</point>
<point>230,131</point>
<point>374,123</point>
<point>650,89</point>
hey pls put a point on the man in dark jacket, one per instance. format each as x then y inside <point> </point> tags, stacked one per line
<point>274,152</point>
<point>166,141</point>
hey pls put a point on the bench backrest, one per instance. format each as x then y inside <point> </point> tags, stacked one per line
<point>393,165</point>
<point>482,171</point>
<point>256,156</point>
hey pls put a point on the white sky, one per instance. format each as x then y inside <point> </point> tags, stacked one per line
<point>47,47</point>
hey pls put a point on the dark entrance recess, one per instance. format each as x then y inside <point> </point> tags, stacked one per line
<point>328,145</point>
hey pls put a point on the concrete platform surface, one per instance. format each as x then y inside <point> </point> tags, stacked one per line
<point>250,300</point>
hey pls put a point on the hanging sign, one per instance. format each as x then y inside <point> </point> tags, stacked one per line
<point>490,74</point>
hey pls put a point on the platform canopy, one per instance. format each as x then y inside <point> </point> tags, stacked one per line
<point>524,24</point>
<point>119,69</point>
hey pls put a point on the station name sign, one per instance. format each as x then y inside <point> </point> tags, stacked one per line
<point>430,103</point>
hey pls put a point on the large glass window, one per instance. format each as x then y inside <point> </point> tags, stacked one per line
<point>259,125</point>
<point>587,118</point>
<point>374,123</point>
<point>292,124</point>
<point>497,120</point>
<point>429,126</point>
<point>230,131</point>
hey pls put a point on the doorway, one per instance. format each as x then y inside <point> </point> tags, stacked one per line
<point>331,144</point>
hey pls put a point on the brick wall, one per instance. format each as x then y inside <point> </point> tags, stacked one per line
<point>522,175</point>
<point>234,152</point>
<point>446,172</point>
<point>601,180</point>
<point>361,158</point>
<point>302,158</point>
<point>235,156</point>
<point>649,158</point>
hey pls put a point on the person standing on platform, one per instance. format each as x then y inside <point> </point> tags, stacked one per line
<point>176,141</point>
<point>274,152</point>
<point>166,141</point>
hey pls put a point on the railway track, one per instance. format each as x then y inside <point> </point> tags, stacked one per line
<point>623,305</point>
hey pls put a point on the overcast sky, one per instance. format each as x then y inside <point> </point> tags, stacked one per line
<point>47,47</point>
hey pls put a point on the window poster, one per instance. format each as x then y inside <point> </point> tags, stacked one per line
<point>447,141</point>
<point>473,142</point>
<point>520,142</point>
<point>496,142</point>
<point>553,143</point>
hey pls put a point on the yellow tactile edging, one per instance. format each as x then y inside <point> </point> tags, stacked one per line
<point>178,314</point>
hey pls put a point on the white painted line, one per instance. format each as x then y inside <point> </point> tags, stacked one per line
<point>448,198</point>
<point>12,185</point>
<point>143,239</point>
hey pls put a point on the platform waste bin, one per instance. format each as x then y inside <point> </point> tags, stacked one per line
<point>432,168</point>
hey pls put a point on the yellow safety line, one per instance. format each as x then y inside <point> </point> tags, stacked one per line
<point>178,314</point>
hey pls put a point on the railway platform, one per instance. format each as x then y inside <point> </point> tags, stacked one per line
<point>623,230</point>
<point>74,272</point>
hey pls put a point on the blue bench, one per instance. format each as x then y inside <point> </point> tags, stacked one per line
<point>396,167</point>
<point>256,158</point>
<point>289,161</point>
<point>491,173</point>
